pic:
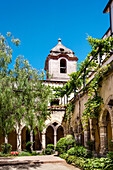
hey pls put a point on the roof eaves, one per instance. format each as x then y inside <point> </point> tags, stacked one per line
<point>106,9</point>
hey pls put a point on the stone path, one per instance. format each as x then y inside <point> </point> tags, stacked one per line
<point>30,160</point>
<point>46,162</point>
<point>45,166</point>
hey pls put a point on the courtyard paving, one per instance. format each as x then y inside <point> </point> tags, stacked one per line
<point>46,162</point>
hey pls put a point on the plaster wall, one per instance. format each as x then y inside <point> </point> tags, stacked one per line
<point>54,69</point>
<point>56,116</point>
<point>105,91</point>
<point>107,87</point>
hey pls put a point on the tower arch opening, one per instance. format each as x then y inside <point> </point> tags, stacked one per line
<point>63,68</point>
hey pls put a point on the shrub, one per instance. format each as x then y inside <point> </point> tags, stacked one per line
<point>91,164</point>
<point>6,148</point>
<point>51,146</point>
<point>111,145</point>
<point>35,153</point>
<point>79,162</point>
<point>64,156</point>
<point>71,159</point>
<point>24,154</point>
<point>90,145</point>
<point>48,151</point>
<point>28,146</point>
<point>98,163</point>
<point>78,151</point>
<point>110,155</point>
<point>71,151</point>
<point>64,144</point>
<point>3,154</point>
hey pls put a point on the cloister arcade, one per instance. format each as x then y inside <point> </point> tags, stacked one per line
<point>50,135</point>
<point>98,131</point>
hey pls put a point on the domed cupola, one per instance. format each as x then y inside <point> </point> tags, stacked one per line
<point>60,62</point>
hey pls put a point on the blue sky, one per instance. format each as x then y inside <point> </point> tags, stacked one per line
<point>39,24</point>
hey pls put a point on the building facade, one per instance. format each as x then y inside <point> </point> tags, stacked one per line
<point>60,62</point>
<point>98,131</point>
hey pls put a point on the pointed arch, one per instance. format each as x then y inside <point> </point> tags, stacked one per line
<point>49,135</point>
<point>60,133</point>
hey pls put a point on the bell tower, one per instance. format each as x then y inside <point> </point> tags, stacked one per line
<point>60,62</point>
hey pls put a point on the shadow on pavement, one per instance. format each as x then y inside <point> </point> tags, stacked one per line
<point>20,167</point>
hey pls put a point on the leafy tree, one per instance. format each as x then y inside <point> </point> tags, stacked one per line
<point>23,95</point>
<point>6,88</point>
<point>32,96</point>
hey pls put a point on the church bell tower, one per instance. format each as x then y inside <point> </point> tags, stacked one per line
<point>60,62</point>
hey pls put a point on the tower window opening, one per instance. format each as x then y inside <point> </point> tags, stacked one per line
<point>54,102</point>
<point>62,66</point>
<point>61,49</point>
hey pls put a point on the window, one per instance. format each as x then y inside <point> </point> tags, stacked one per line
<point>54,102</point>
<point>62,66</point>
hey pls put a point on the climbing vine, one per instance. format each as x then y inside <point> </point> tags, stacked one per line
<point>92,106</point>
<point>69,112</point>
<point>92,64</point>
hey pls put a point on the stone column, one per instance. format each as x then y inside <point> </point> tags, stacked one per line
<point>75,135</point>
<point>112,130</point>
<point>92,132</point>
<point>112,123</point>
<point>93,138</point>
<point>86,135</point>
<point>79,134</point>
<point>103,138</point>
<point>43,141</point>
<point>55,137</point>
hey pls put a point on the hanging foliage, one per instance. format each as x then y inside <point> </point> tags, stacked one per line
<point>90,65</point>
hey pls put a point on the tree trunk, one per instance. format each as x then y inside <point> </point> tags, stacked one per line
<point>6,139</point>
<point>18,139</point>
<point>31,140</point>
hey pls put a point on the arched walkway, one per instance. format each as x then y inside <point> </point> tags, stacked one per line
<point>12,139</point>
<point>49,135</point>
<point>25,137</point>
<point>87,135</point>
<point>81,134</point>
<point>2,140</point>
<point>97,137</point>
<point>105,132</point>
<point>109,130</point>
<point>60,133</point>
<point>37,139</point>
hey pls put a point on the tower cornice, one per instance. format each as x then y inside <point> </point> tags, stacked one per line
<point>57,57</point>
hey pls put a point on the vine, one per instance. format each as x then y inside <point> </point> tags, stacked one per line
<point>99,47</point>
<point>92,106</point>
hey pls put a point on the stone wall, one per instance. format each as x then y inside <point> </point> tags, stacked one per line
<point>54,69</point>
<point>99,131</point>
